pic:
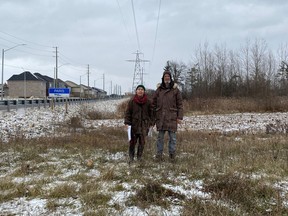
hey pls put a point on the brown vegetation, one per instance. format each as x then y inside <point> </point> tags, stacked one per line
<point>235,174</point>
<point>235,105</point>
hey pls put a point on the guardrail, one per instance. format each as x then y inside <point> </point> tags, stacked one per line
<point>7,105</point>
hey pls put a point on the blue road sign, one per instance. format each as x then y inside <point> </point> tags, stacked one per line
<point>59,92</point>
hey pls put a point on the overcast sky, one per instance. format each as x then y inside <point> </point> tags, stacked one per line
<point>102,33</point>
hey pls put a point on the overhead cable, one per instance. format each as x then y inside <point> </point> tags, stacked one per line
<point>123,20</point>
<point>135,26</point>
<point>155,39</point>
<point>37,44</point>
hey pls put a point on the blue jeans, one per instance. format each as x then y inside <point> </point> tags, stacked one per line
<point>160,142</point>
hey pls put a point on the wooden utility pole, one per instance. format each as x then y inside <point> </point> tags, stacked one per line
<point>56,68</point>
<point>88,81</point>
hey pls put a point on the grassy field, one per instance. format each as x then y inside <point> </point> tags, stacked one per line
<point>87,173</point>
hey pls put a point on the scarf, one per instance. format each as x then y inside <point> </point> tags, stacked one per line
<point>140,100</point>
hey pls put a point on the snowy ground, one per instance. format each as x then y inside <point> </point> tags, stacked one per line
<point>39,122</point>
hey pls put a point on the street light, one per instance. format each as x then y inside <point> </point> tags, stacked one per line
<point>3,52</point>
<point>80,84</point>
<point>56,84</point>
<point>102,78</point>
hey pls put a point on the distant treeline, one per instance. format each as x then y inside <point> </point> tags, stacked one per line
<point>251,71</point>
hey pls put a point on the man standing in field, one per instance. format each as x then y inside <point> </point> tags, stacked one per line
<point>168,107</point>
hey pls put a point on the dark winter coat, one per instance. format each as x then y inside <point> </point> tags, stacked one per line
<point>168,107</point>
<point>139,116</point>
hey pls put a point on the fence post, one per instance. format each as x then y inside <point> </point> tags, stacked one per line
<point>8,105</point>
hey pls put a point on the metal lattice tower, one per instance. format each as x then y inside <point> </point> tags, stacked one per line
<point>138,70</point>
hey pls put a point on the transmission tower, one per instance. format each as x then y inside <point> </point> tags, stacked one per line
<point>138,70</point>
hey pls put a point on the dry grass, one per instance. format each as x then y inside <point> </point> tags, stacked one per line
<point>95,115</point>
<point>237,173</point>
<point>122,107</point>
<point>153,193</point>
<point>231,186</point>
<point>233,105</point>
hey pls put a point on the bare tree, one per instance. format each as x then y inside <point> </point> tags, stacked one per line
<point>282,72</point>
<point>221,68</point>
<point>234,84</point>
<point>192,82</point>
<point>206,66</point>
<point>246,62</point>
<point>271,72</point>
<point>257,64</point>
<point>252,71</point>
<point>178,72</point>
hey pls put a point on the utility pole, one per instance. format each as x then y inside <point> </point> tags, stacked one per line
<point>3,52</point>
<point>117,89</point>
<point>56,68</point>
<point>110,87</point>
<point>103,82</point>
<point>2,86</point>
<point>138,71</point>
<point>88,81</point>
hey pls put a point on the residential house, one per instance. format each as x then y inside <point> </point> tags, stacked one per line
<point>85,91</point>
<point>26,85</point>
<point>50,82</point>
<point>75,90</point>
<point>61,84</point>
<point>100,93</point>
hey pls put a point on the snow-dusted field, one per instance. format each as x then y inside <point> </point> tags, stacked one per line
<point>41,122</point>
<point>44,121</point>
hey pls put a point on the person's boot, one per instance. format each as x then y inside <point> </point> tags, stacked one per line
<point>131,156</point>
<point>172,157</point>
<point>140,152</point>
<point>159,157</point>
<point>131,159</point>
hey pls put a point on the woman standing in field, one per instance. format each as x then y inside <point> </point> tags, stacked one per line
<point>138,115</point>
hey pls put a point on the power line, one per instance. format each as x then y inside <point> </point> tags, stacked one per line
<point>135,25</point>
<point>22,51</point>
<point>123,20</point>
<point>28,69</point>
<point>62,56</point>
<point>156,31</point>
<point>138,71</point>
<point>25,40</point>
<point>8,40</point>
<point>26,47</point>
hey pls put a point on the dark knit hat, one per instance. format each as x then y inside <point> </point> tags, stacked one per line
<point>140,86</point>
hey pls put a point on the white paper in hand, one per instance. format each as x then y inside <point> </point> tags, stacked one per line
<point>150,132</point>
<point>129,132</point>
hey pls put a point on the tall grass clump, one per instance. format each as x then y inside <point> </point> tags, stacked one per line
<point>234,105</point>
<point>254,196</point>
